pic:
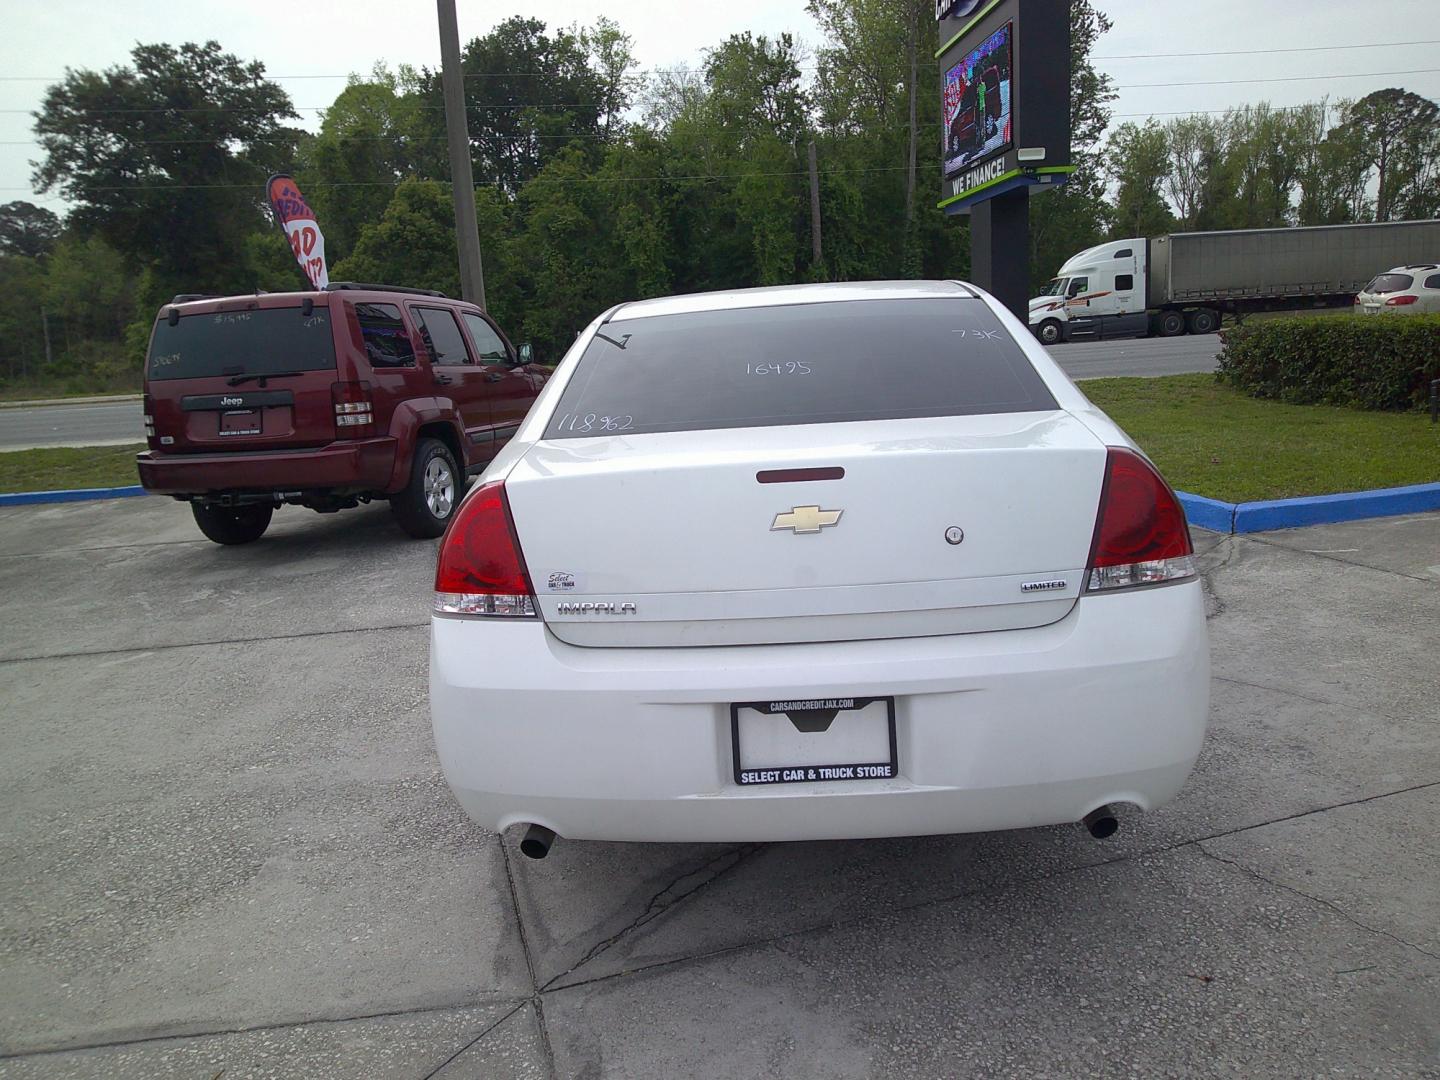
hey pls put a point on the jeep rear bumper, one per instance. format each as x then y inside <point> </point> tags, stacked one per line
<point>349,467</point>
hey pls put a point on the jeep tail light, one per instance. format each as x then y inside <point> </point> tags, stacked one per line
<point>481,569</point>
<point>149,417</point>
<point>1141,536</point>
<point>352,403</point>
<point>1400,301</point>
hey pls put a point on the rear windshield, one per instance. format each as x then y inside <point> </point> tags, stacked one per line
<point>1390,283</point>
<point>798,364</point>
<point>242,343</point>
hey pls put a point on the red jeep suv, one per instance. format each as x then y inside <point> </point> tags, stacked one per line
<point>327,400</point>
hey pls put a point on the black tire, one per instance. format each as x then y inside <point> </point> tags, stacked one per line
<point>426,505</point>
<point>1050,332</point>
<point>1170,324</point>
<point>1202,321</point>
<point>233,524</point>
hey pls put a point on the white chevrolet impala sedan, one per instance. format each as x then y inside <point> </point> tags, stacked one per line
<point>815,562</point>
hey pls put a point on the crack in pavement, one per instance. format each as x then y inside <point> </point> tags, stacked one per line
<point>100,547</point>
<point>433,1072</point>
<point>1344,562</point>
<point>735,857</point>
<point>219,641</point>
<point>1347,705</point>
<point>1210,572</point>
<point>838,924</point>
<point>654,907</point>
<point>535,988</point>
<point>279,1025</point>
<point>1336,908</point>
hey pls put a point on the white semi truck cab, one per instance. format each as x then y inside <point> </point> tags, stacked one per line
<point>1099,293</point>
<point>1168,285</point>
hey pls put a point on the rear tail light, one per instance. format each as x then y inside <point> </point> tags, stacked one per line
<point>149,416</point>
<point>481,569</point>
<point>352,403</point>
<point>1400,301</point>
<point>1141,537</point>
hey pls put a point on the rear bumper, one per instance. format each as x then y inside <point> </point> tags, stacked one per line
<point>350,466</point>
<point>994,730</point>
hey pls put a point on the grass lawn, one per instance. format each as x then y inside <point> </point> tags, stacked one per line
<point>70,389</point>
<point>66,467</point>
<point>1211,440</point>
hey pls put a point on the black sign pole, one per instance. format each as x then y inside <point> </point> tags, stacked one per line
<point>1000,249</point>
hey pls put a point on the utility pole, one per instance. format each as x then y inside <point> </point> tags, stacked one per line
<point>815,248</point>
<point>462,184</point>
<point>45,325</point>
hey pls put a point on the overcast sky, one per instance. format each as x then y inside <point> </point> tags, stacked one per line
<point>331,39</point>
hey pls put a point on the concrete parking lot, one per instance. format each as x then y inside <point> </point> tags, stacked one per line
<point>228,851</point>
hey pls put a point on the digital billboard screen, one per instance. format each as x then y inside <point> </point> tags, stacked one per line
<point>976,106</point>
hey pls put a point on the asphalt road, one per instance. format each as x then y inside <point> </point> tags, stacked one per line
<point>113,423</point>
<point>228,849</point>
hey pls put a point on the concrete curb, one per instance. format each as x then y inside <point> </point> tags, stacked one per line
<point>38,402</point>
<point>30,498</point>
<point>1251,517</point>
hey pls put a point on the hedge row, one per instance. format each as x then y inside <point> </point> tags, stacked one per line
<point>1364,361</point>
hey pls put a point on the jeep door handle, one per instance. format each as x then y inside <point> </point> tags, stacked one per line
<point>492,377</point>
<point>442,380</point>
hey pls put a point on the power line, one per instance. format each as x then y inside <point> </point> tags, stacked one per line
<point>604,105</point>
<point>811,67</point>
<point>1286,78</point>
<point>1262,52</point>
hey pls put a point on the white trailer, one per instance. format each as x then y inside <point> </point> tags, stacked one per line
<point>1183,282</point>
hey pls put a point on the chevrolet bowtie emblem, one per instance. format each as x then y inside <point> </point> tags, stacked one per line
<point>805,519</point>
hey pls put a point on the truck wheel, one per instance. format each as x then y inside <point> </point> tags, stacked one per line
<point>1170,324</point>
<point>423,509</point>
<point>1049,332</point>
<point>1202,321</point>
<point>233,524</point>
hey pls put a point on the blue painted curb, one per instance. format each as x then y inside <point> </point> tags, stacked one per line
<point>29,498</point>
<point>1251,517</point>
<point>1208,513</point>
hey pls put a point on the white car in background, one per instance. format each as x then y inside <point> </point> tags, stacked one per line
<point>815,562</point>
<point>1405,290</point>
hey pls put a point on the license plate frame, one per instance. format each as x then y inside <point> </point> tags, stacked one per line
<point>240,422</point>
<point>848,771</point>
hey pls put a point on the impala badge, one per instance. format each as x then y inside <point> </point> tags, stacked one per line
<point>805,519</point>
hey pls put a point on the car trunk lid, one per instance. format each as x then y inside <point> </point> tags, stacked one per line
<point>934,525</point>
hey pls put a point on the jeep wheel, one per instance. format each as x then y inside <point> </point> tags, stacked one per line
<point>233,524</point>
<point>423,509</point>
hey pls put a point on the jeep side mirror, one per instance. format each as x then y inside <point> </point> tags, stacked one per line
<point>526,353</point>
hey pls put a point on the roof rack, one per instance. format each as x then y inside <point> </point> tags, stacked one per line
<point>186,297</point>
<point>339,286</point>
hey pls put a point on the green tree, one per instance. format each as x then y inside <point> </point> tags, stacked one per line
<point>166,158</point>
<point>1138,159</point>
<point>22,298</point>
<point>1400,132</point>
<point>27,229</point>
<point>89,288</point>
<point>1334,170</point>
<point>374,135</point>
<point>528,94</point>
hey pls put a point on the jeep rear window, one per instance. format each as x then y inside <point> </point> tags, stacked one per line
<point>261,341</point>
<point>797,364</point>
